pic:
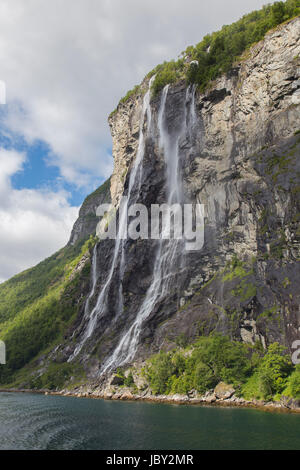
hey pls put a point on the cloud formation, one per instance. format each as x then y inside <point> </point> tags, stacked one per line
<point>66,64</point>
<point>33,223</point>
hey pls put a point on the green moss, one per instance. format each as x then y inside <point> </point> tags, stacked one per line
<point>236,269</point>
<point>245,291</point>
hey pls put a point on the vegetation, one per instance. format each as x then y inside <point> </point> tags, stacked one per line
<point>104,188</point>
<point>293,384</point>
<point>236,268</point>
<point>135,90</point>
<point>26,288</point>
<point>253,372</point>
<point>37,306</point>
<point>55,377</point>
<point>271,376</point>
<point>211,360</point>
<point>218,51</point>
<point>168,72</point>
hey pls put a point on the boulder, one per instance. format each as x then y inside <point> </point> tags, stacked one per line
<point>210,398</point>
<point>224,391</point>
<point>127,395</point>
<point>290,402</point>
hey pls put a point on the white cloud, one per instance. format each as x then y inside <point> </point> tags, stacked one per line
<point>10,163</point>
<point>33,223</point>
<point>68,62</point>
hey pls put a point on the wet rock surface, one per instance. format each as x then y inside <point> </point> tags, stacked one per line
<point>240,158</point>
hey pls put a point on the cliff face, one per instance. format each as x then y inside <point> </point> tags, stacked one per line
<point>237,152</point>
<point>87,220</point>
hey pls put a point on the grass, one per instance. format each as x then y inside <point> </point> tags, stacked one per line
<point>38,306</point>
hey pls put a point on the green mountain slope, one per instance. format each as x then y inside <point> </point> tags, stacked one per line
<point>38,305</point>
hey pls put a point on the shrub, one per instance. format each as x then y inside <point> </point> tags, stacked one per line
<point>55,377</point>
<point>293,384</point>
<point>213,359</point>
<point>273,371</point>
<point>159,371</point>
<point>129,381</point>
<point>217,52</point>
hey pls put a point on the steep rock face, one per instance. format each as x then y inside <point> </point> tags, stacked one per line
<point>87,220</point>
<point>237,148</point>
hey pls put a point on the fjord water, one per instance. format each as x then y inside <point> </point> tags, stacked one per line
<point>29,421</point>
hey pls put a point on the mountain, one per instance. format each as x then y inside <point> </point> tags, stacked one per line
<point>209,129</point>
<point>38,306</point>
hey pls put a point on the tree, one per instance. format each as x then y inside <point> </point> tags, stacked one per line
<point>278,12</point>
<point>273,371</point>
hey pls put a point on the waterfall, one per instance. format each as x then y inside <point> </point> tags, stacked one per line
<point>94,280</point>
<point>167,250</point>
<point>135,179</point>
<point>193,106</point>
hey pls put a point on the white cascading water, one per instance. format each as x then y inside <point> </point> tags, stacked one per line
<point>94,280</point>
<point>135,177</point>
<point>193,106</point>
<point>167,251</point>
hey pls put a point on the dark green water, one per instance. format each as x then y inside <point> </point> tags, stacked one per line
<point>30,421</point>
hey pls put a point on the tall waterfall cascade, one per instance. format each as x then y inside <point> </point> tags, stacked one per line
<point>135,176</point>
<point>167,250</point>
<point>166,257</point>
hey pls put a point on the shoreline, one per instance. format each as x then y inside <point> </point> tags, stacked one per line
<point>232,402</point>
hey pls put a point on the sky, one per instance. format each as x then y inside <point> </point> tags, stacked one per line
<point>65,65</point>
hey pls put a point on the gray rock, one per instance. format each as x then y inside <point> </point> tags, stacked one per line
<point>224,391</point>
<point>241,160</point>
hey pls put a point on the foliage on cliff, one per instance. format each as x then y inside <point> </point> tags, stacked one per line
<point>218,51</point>
<point>255,373</point>
<point>102,190</point>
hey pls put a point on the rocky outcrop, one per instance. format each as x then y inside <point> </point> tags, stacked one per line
<point>87,220</point>
<point>210,398</point>
<point>224,391</point>
<point>239,156</point>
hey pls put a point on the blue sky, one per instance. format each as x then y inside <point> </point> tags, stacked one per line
<point>66,64</point>
<point>38,172</point>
